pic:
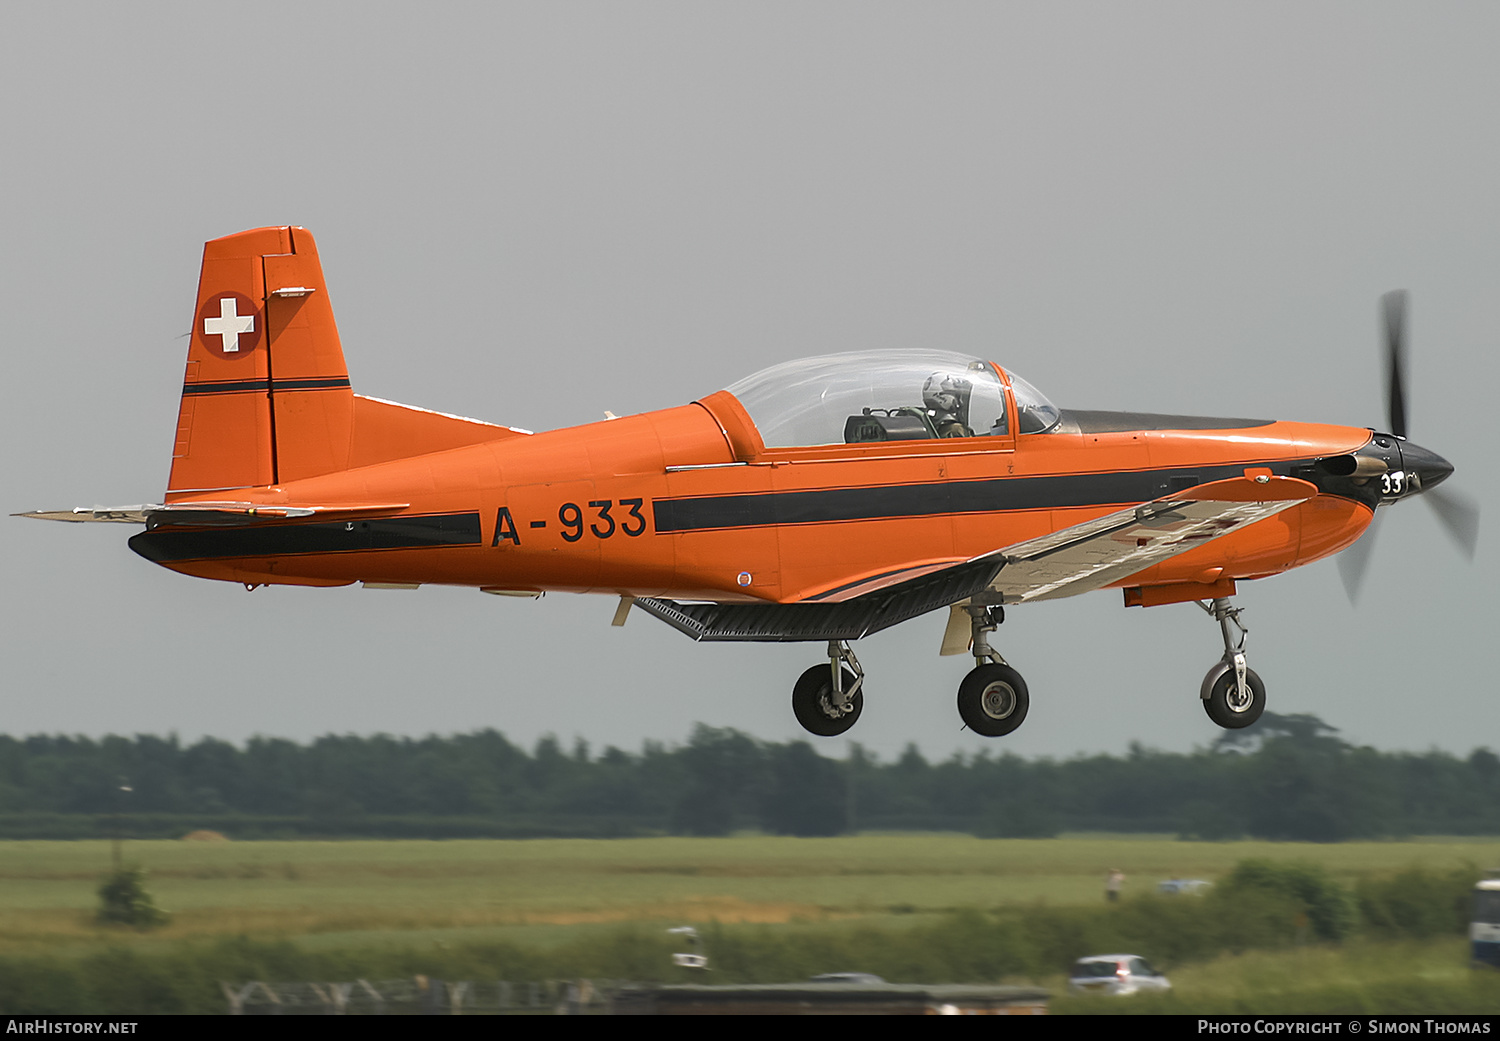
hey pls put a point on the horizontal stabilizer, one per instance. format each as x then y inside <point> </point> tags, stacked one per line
<point>209,514</point>
<point>78,514</point>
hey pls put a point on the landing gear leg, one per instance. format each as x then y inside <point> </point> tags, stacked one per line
<point>992,700</point>
<point>829,698</point>
<point>1233,695</point>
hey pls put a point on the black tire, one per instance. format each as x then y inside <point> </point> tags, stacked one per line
<point>1221,703</point>
<point>812,702</point>
<point>993,700</point>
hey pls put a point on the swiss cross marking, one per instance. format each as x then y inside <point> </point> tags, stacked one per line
<point>230,324</point>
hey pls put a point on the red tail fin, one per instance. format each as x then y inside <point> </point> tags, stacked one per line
<point>266,397</point>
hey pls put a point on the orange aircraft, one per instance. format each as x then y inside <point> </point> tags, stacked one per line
<point>820,500</point>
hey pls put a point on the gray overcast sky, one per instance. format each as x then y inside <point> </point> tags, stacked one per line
<point>531,213</point>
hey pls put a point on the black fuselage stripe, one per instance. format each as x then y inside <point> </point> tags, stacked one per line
<point>763,509</point>
<point>888,502</point>
<point>278,539</point>
<point>246,386</point>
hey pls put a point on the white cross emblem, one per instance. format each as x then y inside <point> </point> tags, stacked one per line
<point>229,325</point>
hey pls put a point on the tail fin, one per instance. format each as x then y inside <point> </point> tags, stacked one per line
<point>266,397</point>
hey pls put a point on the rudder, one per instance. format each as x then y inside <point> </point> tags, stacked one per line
<point>266,397</point>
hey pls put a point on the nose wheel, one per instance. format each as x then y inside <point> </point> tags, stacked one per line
<point>1226,704</point>
<point>1232,694</point>
<point>827,699</point>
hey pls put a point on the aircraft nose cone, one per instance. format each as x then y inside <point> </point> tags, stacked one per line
<point>1430,468</point>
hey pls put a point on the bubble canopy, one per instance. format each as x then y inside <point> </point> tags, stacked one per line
<point>867,396</point>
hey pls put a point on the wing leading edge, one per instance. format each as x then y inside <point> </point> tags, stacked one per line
<point>1107,549</point>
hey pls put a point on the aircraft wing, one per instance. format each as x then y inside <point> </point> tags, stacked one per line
<point>1074,560</point>
<point>208,514</point>
<point>1107,549</point>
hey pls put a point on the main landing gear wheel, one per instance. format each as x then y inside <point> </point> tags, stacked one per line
<point>993,700</point>
<point>1225,704</point>
<point>814,704</point>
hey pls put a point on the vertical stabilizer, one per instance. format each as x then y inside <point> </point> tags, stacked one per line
<point>266,396</point>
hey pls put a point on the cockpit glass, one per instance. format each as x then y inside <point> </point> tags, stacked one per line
<point>1034,413</point>
<point>867,396</point>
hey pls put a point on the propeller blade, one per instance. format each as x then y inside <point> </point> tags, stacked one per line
<point>1393,314</point>
<point>1459,514</point>
<point>1354,562</point>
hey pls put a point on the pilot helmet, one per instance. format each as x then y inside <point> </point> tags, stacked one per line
<point>947,396</point>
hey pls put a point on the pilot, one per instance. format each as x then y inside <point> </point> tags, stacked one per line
<point>946,398</point>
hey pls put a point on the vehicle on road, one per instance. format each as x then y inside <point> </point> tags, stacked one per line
<point>1115,974</point>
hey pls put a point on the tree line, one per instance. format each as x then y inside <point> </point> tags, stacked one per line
<point>1290,777</point>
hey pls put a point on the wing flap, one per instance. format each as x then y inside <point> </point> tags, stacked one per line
<point>842,620</point>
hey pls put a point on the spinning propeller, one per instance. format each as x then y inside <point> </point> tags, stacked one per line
<point>1420,470</point>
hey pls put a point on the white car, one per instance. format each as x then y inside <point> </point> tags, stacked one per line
<point>1117,974</point>
<point>1180,886</point>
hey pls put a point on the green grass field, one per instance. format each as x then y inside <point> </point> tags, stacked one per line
<point>773,908</point>
<point>354,893</point>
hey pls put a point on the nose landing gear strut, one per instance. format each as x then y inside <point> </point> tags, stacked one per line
<point>1233,695</point>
